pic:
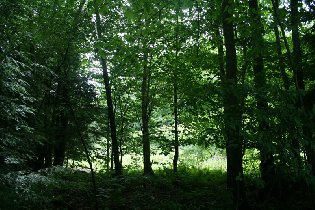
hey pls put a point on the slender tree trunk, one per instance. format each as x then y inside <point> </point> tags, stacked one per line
<point>295,142</point>
<point>266,155</point>
<point>48,145</point>
<point>176,141</point>
<point>61,118</point>
<point>108,153</point>
<point>111,160</point>
<point>284,75</point>
<point>61,124</point>
<point>275,6</point>
<point>309,102</point>
<point>244,69</point>
<point>232,110</point>
<point>88,157</point>
<point>298,74</point>
<point>297,52</point>
<point>279,51</point>
<point>61,140</point>
<point>145,99</point>
<point>123,113</point>
<point>2,159</point>
<point>111,113</point>
<point>175,96</point>
<point>120,150</point>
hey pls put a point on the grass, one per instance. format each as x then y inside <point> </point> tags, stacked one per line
<point>199,184</point>
<point>161,162</point>
<point>70,189</point>
<point>191,188</point>
<point>191,156</point>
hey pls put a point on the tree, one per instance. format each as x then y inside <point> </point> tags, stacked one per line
<point>266,154</point>
<point>175,94</point>
<point>232,115</point>
<point>111,113</point>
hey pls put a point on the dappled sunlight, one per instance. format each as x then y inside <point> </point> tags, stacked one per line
<point>157,104</point>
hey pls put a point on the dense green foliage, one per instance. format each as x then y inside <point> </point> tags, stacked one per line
<point>213,100</point>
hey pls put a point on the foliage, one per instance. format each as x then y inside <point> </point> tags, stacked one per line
<point>53,108</point>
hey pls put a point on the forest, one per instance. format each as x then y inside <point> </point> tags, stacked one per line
<point>157,104</point>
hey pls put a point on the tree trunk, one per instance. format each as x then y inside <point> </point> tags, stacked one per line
<point>61,122</point>
<point>266,155</point>
<point>176,142</point>
<point>244,69</point>
<point>48,150</point>
<point>295,144</point>
<point>2,159</point>
<point>111,113</point>
<point>299,79</point>
<point>232,110</point>
<point>309,102</point>
<point>44,151</point>
<point>284,75</point>
<point>108,155</point>
<point>297,52</point>
<point>145,99</point>
<point>61,140</point>
<point>297,71</point>
<point>88,157</point>
<point>275,6</point>
<point>279,52</point>
<point>175,96</point>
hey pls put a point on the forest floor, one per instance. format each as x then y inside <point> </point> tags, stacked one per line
<point>62,188</point>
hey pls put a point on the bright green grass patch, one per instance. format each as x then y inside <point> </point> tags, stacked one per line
<point>192,157</point>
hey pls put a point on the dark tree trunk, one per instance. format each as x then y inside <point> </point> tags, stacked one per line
<point>266,155</point>
<point>297,52</point>
<point>61,140</point>
<point>232,116</point>
<point>284,75</point>
<point>2,160</point>
<point>297,69</point>
<point>41,148</point>
<point>108,153</point>
<point>48,150</point>
<point>120,150</point>
<point>61,123</point>
<point>175,96</point>
<point>244,69</point>
<point>176,142</point>
<point>295,145</point>
<point>123,113</point>
<point>39,160</point>
<point>309,102</point>
<point>299,80</point>
<point>88,157</point>
<point>111,113</point>
<point>145,99</point>
<point>275,6</point>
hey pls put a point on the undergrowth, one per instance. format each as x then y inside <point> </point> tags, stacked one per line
<point>190,188</point>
